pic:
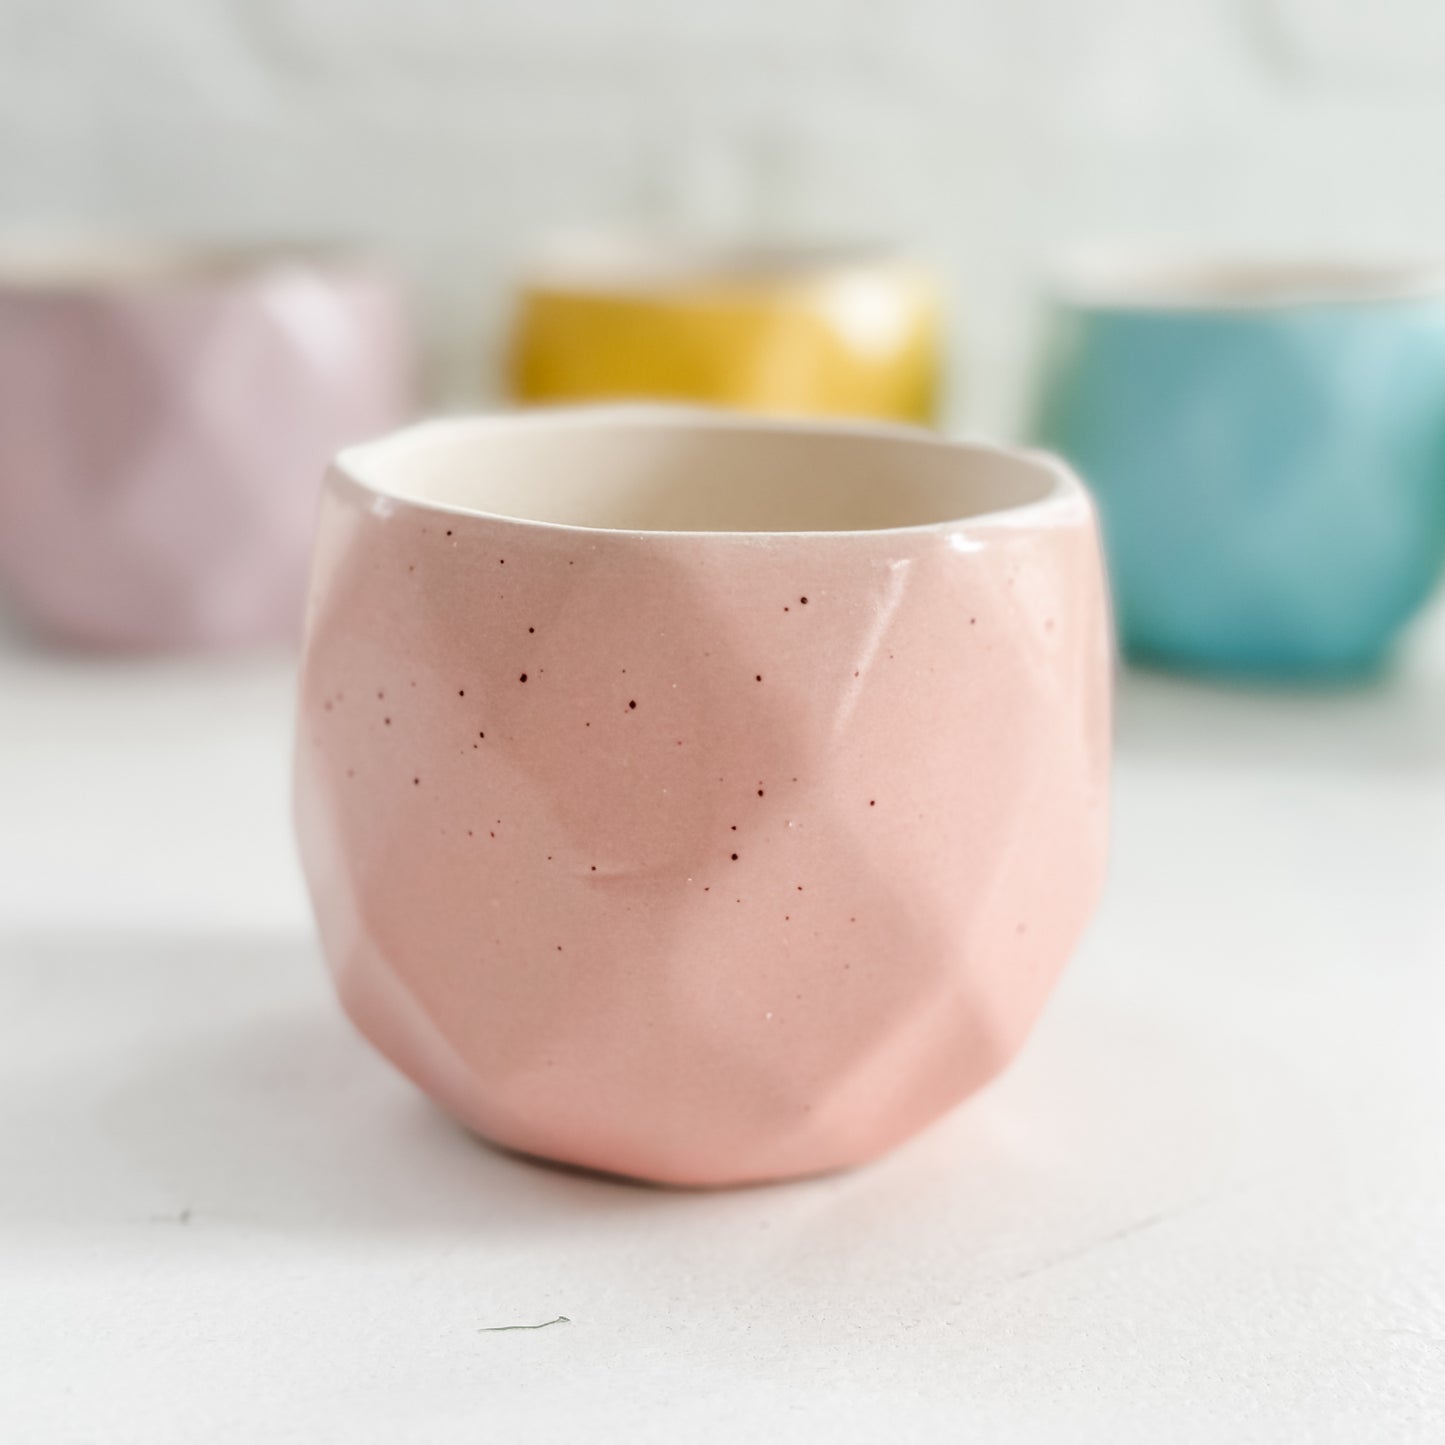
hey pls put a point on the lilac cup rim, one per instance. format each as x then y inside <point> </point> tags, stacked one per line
<point>117,265</point>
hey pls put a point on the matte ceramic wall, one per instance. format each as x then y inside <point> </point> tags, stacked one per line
<point>990,131</point>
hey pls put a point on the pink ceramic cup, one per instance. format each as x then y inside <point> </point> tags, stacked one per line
<point>163,422</point>
<point>699,799</point>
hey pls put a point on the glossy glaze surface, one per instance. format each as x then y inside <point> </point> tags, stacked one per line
<point>1271,474</point>
<point>701,856</point>
<point>794,336</point>
<point>163,427</point>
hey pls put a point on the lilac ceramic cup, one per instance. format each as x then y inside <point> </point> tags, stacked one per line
<point>165,420</point>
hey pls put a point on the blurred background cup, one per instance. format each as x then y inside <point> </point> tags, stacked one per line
<point>1267,446</point>
<point>800,330</point>
<point>165,420</point>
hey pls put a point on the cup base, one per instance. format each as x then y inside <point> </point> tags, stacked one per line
<point>665,1184</point>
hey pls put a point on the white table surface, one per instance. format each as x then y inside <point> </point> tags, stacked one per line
<point>1208,1203</point>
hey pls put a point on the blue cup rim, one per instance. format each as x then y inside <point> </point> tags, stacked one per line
<point>1139,278</point>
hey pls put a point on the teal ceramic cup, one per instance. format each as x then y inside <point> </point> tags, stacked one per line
<point>1267,447</point>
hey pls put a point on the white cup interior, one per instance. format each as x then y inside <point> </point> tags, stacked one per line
<point>674,470</point>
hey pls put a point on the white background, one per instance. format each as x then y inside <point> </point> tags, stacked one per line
<point>453,133</point>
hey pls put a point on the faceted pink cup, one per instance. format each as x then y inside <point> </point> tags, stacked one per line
<point>701,799</point>
<point>163,422</point>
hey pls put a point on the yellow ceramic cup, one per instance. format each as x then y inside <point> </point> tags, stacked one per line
<point>788,330</point>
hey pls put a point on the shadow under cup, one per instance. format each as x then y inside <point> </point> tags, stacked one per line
<point>698,799</point>
<point>1267,447</point>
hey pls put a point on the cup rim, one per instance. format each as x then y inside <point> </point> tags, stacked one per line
<point>104,264</point>
<point>638,263</point>
<point>1137,277</point>
<point>1065,501</point>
